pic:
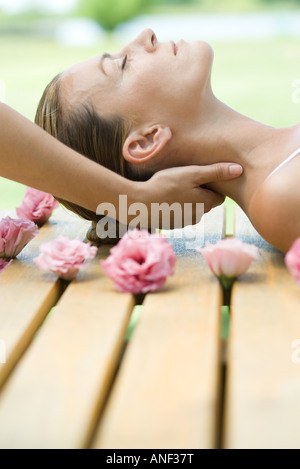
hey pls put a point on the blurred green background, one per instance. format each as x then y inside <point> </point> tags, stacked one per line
<point>254,75</point>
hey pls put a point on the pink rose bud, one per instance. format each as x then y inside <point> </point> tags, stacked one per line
<point>140,262</point>
<point>37,206</point>
<point>4,263</point>
<point>292,260</point>
<point>65,257</point>
<point>14,235</point>
<point>229,257</point>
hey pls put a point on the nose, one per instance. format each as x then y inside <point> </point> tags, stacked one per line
<point>147,39</point>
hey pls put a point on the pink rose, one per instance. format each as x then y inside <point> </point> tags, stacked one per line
<point>229,257</point>
<point>14,235</point>
<point>37,206</point>
<point>292,260</point>
<point>140,262</point>
<point>4,263</point>
<point>65,257</point>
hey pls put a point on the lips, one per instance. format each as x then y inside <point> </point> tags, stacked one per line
<point>174,46</point>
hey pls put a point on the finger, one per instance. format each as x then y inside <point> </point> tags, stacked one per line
<point>218,172</point>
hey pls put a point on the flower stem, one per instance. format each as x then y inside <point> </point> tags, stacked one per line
<point>226,284</point>
<point>225,322</point>
<point>139,298</point>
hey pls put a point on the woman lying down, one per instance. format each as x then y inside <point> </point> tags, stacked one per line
<point>150,106</point>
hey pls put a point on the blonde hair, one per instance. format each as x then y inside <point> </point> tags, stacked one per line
<point>85,131</point>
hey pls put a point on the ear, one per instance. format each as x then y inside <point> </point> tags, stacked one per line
<point>143,144</point>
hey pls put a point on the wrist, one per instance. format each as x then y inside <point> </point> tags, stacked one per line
<point>139,192</point>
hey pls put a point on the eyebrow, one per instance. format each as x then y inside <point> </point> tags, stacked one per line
<point>102,58</point>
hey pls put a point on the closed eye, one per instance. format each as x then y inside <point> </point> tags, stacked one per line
<point>124,62</point>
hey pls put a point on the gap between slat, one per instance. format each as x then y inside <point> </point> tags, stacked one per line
<point>139,299</point>
<point>228,232</point>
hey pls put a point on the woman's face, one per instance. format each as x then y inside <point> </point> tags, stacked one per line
<point>147,81</point>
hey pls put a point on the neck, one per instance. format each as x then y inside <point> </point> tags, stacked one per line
<point>226,135</point>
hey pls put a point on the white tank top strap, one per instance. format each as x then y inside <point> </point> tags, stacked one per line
<point>284,162</point>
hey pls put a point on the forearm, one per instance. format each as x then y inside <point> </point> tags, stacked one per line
<point>30,156</point>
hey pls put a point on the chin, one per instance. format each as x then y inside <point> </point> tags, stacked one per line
<point>204,54</point>
<point>206,51</point>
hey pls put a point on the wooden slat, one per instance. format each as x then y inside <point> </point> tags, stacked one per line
<point>166,393</point>
<point>53,398</point>
<point>263,382</point>
<point>27,294</point>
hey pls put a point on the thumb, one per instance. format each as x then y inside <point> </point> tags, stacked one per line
<point>218,172</point>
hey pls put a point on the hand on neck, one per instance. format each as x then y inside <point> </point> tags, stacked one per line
<point>221,134</point>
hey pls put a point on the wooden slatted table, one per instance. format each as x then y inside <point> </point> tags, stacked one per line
<point>72,380</point>
<point>263,380</point>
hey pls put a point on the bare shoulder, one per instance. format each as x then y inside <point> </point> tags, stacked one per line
<point>275,207</point>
